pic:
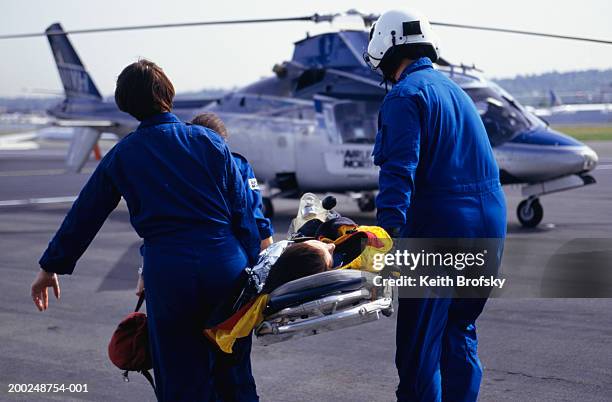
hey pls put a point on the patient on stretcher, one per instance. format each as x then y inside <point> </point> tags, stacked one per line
<point>338,243</point>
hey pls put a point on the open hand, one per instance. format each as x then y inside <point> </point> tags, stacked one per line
<point>40,293</point>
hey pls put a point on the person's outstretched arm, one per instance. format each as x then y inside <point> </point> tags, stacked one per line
<point>95,202</point>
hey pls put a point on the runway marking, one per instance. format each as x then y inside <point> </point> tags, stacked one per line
<point>603,167</point>
<point>41,172</point>
<point>32,201</point>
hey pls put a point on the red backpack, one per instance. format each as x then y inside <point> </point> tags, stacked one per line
<point>128,348</point>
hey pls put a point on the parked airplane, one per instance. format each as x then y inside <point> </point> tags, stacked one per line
<point>311,126</point>
<point>577,114</point>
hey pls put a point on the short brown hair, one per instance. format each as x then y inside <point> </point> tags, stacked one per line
<point>212,121</point>
<point>143,90</point>
<point>297,261</point>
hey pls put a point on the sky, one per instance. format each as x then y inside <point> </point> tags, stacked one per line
<point>232,56</point>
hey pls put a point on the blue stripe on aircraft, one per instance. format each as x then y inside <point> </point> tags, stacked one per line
<point>545,137</point>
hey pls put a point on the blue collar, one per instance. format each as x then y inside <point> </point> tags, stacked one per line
<point>161,118</point>
<point>418,64</point>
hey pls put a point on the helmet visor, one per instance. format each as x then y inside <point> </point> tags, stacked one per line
<point>371,61</point>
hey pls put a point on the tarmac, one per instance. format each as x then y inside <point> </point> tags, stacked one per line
<point>532,349</point>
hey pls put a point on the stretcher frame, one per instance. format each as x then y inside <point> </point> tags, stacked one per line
<point>342,309</point>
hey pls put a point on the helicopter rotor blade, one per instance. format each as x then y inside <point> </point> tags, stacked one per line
<point>368,19</point>
<point>316,18</point>
<point>519,32</point>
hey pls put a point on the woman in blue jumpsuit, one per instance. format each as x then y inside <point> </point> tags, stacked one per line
<point>188,202</point>
<point>438,179</point>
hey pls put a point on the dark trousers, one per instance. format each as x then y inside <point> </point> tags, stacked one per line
<point>233,378</point>
<point>195,371</point>
<point>436,354</point>
<point>182,296</point>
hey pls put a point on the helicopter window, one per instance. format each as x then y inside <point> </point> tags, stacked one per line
<point>356,122</point>
<point>310,77</point>
<point>502,117</point>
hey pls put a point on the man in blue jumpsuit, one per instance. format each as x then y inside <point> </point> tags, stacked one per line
<point>438,179</point>
<point>187,200</point>
<point>264,225</point>
<point>233,375</point>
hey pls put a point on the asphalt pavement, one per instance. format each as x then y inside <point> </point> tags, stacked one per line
<point>532,349</point>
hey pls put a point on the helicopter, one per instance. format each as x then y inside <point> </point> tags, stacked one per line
<point>311,126</point>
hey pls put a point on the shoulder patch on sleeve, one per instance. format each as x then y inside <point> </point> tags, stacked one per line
<point>253,185</point>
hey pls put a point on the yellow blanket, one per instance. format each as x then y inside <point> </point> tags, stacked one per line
<point>239,325</point>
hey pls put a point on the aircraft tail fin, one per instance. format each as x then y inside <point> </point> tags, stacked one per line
<point>76,80</point>
<point>555,100</point>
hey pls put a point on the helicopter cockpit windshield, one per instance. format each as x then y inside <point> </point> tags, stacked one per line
<point>502,116</point>
<point>356,122</point>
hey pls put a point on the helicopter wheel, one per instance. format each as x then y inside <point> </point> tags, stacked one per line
<point>268,208</point>
<point>530,213</point>
<point>366,203</point>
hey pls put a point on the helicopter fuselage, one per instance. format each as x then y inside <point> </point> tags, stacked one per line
<point>312,126</point>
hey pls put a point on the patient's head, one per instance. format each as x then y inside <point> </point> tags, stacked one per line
<point>324,249</point>
<point>212,121</point>
<point>300,260</point>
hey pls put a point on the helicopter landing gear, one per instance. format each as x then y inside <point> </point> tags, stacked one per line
<point>366,202</point>
<point>530,212</point>
<point>268,208</point>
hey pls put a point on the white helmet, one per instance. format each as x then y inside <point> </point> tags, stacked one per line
<point>395,28</point>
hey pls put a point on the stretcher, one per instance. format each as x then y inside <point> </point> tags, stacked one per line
<point>321,303</point>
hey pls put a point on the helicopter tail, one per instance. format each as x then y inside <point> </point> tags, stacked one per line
<point>76,81</point>
<point>80,91</point>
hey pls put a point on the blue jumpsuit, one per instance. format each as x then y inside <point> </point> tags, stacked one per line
<point>188,202</point>
<point>254,196</point>
<point>233,375</point>
<point>438,179</point>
